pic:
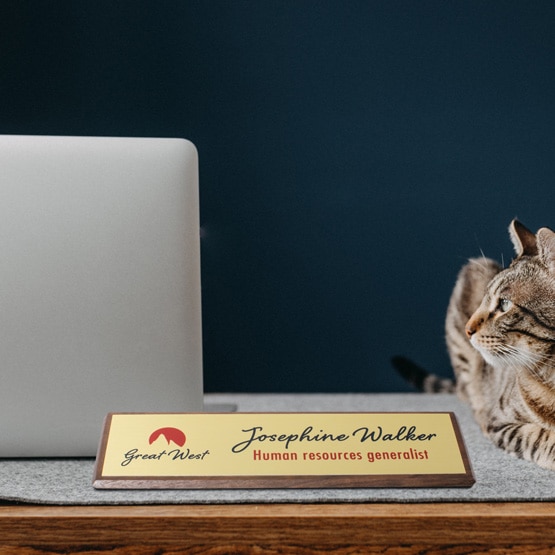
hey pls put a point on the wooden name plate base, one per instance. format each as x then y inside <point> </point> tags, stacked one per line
<point>281,450</point>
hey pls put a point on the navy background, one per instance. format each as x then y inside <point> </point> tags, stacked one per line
<point>353,155</point>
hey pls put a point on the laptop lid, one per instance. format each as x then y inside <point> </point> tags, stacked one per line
<point>100,305</point>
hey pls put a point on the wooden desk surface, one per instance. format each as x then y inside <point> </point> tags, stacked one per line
<point>449,528</point>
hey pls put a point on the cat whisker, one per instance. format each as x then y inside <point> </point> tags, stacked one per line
<point>518,358</point>
<point>483,265</point>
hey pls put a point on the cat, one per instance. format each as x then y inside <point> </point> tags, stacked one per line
<point>500,334</point>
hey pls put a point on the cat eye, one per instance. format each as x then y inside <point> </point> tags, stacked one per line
<point>504,305</point>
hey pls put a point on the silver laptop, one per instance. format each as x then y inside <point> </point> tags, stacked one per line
<point>99,287</point>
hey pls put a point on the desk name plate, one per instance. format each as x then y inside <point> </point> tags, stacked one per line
<point>281,450</point>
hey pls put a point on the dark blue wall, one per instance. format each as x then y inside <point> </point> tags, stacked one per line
<point>353,155</point>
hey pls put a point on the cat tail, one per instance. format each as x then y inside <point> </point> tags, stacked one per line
<point>420,378</point>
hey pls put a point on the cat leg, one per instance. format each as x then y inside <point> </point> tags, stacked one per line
<point>467,295</point>
<point>530,441</point>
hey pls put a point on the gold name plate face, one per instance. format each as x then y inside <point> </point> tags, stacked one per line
<point>281,450</point>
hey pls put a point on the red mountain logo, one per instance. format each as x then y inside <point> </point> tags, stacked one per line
<point>171,434</point>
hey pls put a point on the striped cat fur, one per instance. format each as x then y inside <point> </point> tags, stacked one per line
<point>500,333</point>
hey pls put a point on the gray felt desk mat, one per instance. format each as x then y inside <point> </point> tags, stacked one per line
<point>499,477</point>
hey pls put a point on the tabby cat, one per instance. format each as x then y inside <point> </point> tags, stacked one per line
<point>500,332</point>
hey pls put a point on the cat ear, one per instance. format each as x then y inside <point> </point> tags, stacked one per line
<point>546,244</point>
<point>523,239</point>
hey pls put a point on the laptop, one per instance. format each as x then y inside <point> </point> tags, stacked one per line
<point>100,301</point>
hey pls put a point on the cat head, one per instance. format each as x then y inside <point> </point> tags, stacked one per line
<point>514,326</point>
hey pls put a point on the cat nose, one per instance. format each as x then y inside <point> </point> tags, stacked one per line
<point>472,326</point>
